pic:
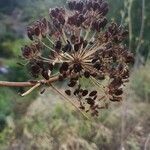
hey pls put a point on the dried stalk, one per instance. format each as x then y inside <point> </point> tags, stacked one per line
<point>28,83</point>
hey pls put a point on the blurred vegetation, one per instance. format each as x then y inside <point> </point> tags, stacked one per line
<point>62,127</point>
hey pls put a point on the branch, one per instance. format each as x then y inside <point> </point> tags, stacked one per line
<point>141,35</point>
<point>130,24</point>
<point>28,83</point>
<point>142,26</point>
<point>146,143</point>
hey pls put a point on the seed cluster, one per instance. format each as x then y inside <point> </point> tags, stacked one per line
<point>81,44</point>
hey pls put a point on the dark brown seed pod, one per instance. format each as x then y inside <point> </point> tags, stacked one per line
<point>56,24</point>
<point>82,107</point>
<point>64,66</point>
<point>77,46</point>
<point>45,74</point>
<point>71,5</point>
<point>35,69</point>
<point>61,19</point>
<point>129,58</point>
<point>94,74</point>
<point>26,52</point>
<point>97,65</point>
<point>53,13</point>
<point>95,97</point>
<point>73,39</point>
<point>94,60</point>
<point>101,77</point>
<point>77,68</point>
<point>87,74</point>
<point>90,101</point>
<point>79,6</point>
<point>89,5</point>
<point>68,92</point>
<point>93,93</point>
<point>37,31</point>
<point>118,92</point>
<point>103,23</point>
<point>72,83</point>
<point>125,33</point>
<point>85,43</point>
<point>60,78</point>
<point>76,92</point>
<point>95,26</point>
<point>58,45</point>
<point>67,48</point>
<point>95,6</point>
<point>42,91</point>
<point>50,66</point>
<point>115,99</point>
<point>84,92</point>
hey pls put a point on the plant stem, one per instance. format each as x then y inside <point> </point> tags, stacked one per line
<point>28,83</point>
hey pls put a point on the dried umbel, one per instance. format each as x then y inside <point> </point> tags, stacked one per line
<point>79,43</point>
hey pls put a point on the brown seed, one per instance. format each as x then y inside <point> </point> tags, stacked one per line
<point>115,99</point>
<point>93,93</point>
<point>87,74</point>
<point>68,92</point>
<point>50,66</point>
<point>72,83</point>
<point>76,92</point>
<point>61,78</point>
<point>84,92</point>
<point>82,107</point>
<point>77,46</point>
<point>118,92</point>
<point>58,45</point>
<point>90,101</point>
<point>64,66</point>
<point>45,74</point>
<point>73,39</point>
<point>42,91</point>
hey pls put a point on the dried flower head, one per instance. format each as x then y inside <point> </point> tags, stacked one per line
<point>79,42</point>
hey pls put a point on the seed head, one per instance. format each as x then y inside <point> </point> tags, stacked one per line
<point>79,42</point>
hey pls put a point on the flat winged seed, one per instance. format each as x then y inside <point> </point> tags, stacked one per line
<point>82,107</point>
<point>101,77</point>
<point>37,31</point>
<point>35,69</point>
<point>71,4</point>
<point>42,91</point>
<point>67,48</point>
<point>77,68</point>
<point>94,60</point>
<point>87,74</point>
<point>90,101</point>
<point>76,92</point>
<point>73,39</point>
<point>77,47</point>
<point>93,93</point>
<point>72,83</point>
<point>50,66</point>
<point>65,66</point>
<point>58,45</point>
<point>84,92</point>
<point>116,99</point>
<point>97,65</point>
<point>118,92</point>
<point>45,74</point>
<point>79,6</point>
<point>68,92</point>
<point>61,78</point>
